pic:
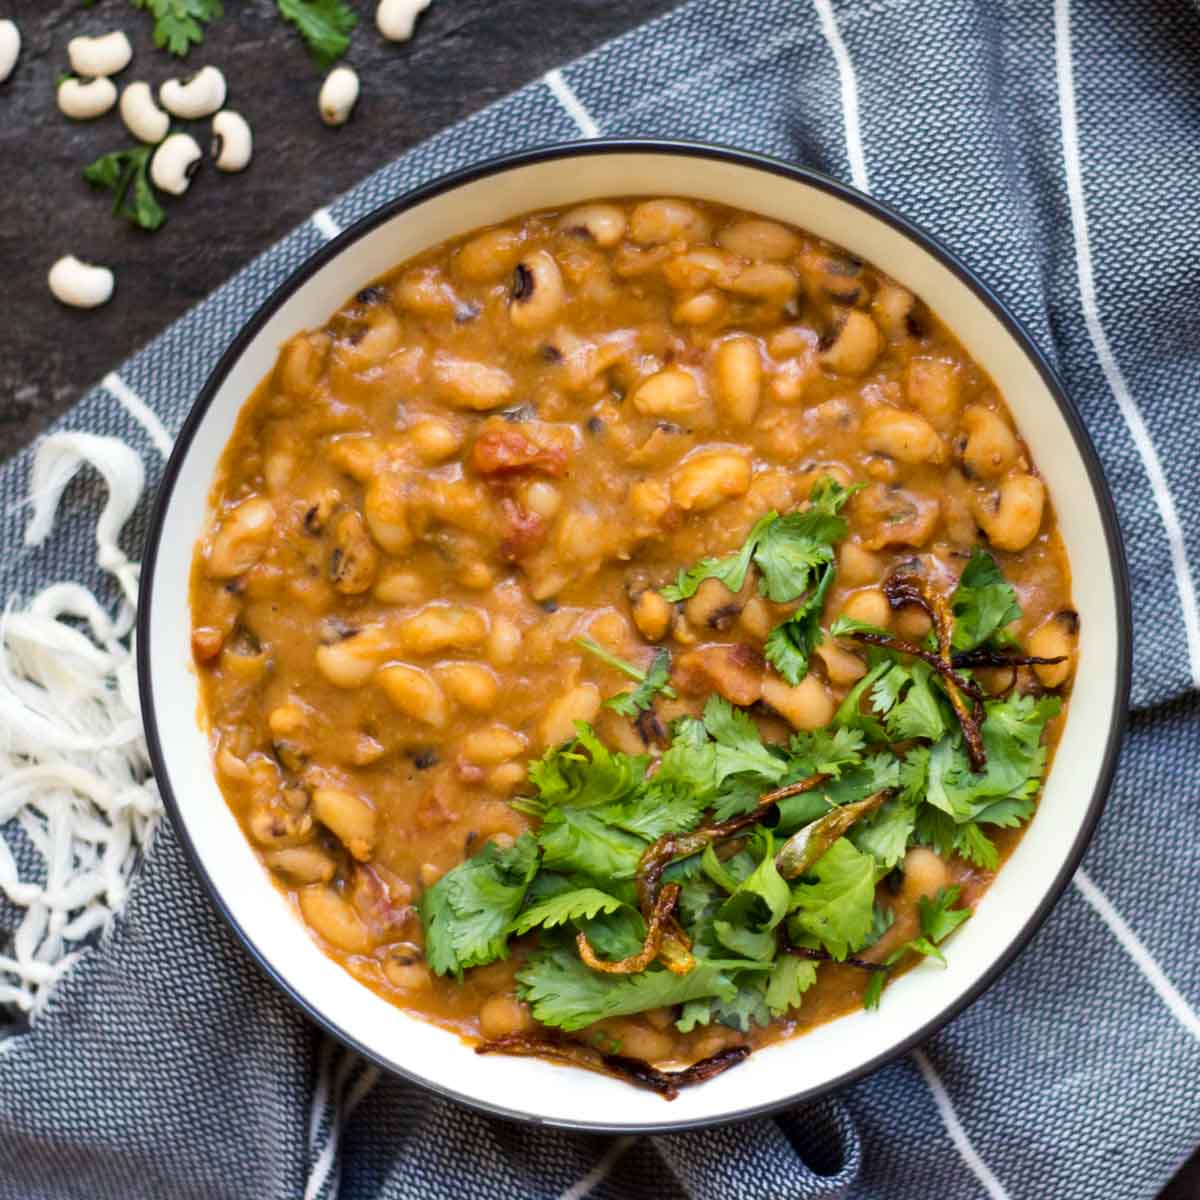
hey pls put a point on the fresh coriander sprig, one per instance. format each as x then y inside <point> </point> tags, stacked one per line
<point>650,683</point>
<point>126,173</point>
<point>325,26</point>
<point>179,24</point>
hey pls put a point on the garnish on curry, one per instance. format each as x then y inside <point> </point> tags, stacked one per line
<point>631,635</point>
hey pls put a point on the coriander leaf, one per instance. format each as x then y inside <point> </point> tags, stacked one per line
<point>629,704</point>
<point>574,839</point>
<point>983,604</point>
<point>695,1012</point>
<point>971,843</point>
<point>466,914</point>
<point>876,773</point>
<point>835,903</point>
<point>885,834</point>
<point>790,978</point>
<point>920,714</point>
<point>567,906</point>
<point>126,173</point>
<point>614,935</point>
<point>882,920</point>
<point>747,1007</point>
<point>850,713</point>
<point>793,550</point>
<point>325,26</point>
<point>1007,813</point>
<point>788,646</point>
<point>746,921</point>
<point>566,994</point>
<point>939,917</point>
<point>583,773</point>
<point>874,991</point>
<point>178,24</point>
<point>825,751</point>
<point>740,749</point>
<point>844,626</point>
<point>730,570</point>
<point>660,810</point>
<point>720,873</point>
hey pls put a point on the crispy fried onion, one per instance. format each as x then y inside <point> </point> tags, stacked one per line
<point>660,923</point>
<point>632,1070</point>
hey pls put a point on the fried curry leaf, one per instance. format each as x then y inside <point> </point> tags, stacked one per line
<point>468,911</point>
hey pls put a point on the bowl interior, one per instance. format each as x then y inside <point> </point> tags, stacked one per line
<point>836,1052</point>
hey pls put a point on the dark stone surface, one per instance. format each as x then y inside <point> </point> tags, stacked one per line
<point>465,54</point>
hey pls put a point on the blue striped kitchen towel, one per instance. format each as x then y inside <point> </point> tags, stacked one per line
<point>1053,144</point>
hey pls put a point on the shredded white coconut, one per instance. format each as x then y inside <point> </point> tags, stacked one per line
<point>74,772</point>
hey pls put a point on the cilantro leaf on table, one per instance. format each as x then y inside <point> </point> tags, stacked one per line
<point>467,913</point>
<point>983,604</point>
<point>579,904</point>
<point>126,173</point>
<point>325,26</point>
<point>835,903</point>
<point>566,994</point>
<point>179,24</point>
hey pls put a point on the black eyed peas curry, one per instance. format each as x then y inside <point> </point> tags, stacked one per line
<point>631,634</point>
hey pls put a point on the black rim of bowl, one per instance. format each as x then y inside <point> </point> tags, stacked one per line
<point>873,207</point>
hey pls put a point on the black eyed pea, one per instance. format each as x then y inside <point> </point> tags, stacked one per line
<point>766,281</point>
<point>10,48</point>
<point>931,386</point>
<point>91,57</point>
<point>86,99</point>
<point>354,560</point>
<point>739,372</point>
<point>713,606</point>
<point>925,874</point>
<point>808,705</point>
<point>537,291</point>
<point>351,661</point>
<point>242,538</point>
<point>506,778</point>
<point>334,919</point>
<point>385,506</point>
<point>493,744</point>
<point>143,118</point>
<point>856,346</point>
<point>414,692</point>
<point>759,239</point>
<point>702,308</point>
<point>704,481</point>
<point>1012,520</point>
<point>656,222</point>
<point>890,308</point>
<point>913,623</point>
<point>1055,638</point>
<point>396,19</point>
<point>378,340</point>
<point>503,642</point>
<point>174,163</point>
<point>301,864</point>
<point>842,666</point>
<point>869,605</point>
<point>756,618</point>
<point>349,817</point>
<point>338,96</point>
<point>604,223</point>
<point>359,455</point>
<point>652,615</point>
<point>991,448</point>
<point>400,588</point>
<point>503,1016</point>
<point>438,627</point>
<point>857,565</point>
<point>580,703</point>
<point>472,685</point>
<point>542,498</point>
<point>232,144</point>
<point>404,968</point>
<point>434,440</point>
<point>489,256</point>
<point>190,99</point>
<point>301,363</point>
<point>275,824</point>
<point>668,393</point>
<point>472,385</point>
<point>80,284</point>
<point>904,436</point>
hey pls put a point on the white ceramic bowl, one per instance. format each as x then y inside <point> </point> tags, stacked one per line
<point>917,1003</point>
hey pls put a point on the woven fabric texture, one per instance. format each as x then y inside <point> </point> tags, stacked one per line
<point>1052,144</point>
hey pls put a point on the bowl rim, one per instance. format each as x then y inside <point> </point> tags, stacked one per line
<point>872,206</point>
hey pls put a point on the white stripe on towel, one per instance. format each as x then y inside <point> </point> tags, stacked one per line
<point>140,411</point>
<point>1108,363</point>
<point>574,109</point>
<point>1132,944</point>
<point>980,1169</point>
<point>600,1172</point>
<point>325,225</point>
<point>854,146</point>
